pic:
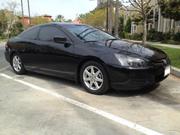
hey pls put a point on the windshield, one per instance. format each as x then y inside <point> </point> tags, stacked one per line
<point>88,33</point>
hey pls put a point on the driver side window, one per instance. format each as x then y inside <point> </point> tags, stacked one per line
<point>47,33</point>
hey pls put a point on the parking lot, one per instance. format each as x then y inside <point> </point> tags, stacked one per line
<point>43,105</point>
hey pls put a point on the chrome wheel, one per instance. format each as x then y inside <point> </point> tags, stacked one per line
<point>17,64</point>
<point>93,77</point>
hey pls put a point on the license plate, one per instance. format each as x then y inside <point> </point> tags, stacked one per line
<point>167,71</point>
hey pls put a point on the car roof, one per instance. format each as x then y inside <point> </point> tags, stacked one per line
<point>60,24</point>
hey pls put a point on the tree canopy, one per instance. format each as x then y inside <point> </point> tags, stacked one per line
<point>95,18</point>
<point>170,9</point>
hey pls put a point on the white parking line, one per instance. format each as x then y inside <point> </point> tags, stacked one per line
<point>107,115</point>
<point>4,68</point>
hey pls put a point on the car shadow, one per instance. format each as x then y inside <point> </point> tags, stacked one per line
<point>129,93</point>
<point>111,92</point>
<point>152,93</point>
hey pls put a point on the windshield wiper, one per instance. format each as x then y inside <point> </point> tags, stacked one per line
<point>84,31</point>
<point>91,41</point>
<point>89,33</point>
<point>112,40</point>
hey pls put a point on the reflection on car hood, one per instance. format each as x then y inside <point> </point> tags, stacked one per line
<point>135,48</point>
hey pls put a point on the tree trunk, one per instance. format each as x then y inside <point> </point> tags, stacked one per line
<point>110,16</point>
<point>107,16</point>
<point>144,31</point>
<point>172,26</point>
<point>159,20</point>
<point>116,32</point>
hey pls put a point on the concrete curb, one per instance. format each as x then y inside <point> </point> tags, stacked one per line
<point>175,71</point>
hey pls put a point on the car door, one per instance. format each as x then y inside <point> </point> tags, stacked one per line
<point>56,58</point>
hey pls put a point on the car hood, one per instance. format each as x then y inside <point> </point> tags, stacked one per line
<point>125,47</point>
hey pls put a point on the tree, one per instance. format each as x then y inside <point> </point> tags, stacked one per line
<point>12,18</point>
<point>3,22</point>
<point>16,29</point>
<point>60,18</point>
<point>121,27</point>
<point>95,18</point>
<point>110,4</point>
<point>143,7</point>
<point>116,27</point>
<point>128,25</point>
<point>170,9</point>
<point>38,20</point>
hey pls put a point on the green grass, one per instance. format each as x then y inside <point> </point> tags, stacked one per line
<point>174,55</point>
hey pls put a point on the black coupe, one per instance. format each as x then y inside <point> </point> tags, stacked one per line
<point>87,55</point>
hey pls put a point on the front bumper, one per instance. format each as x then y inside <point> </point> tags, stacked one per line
<point>134,79</point>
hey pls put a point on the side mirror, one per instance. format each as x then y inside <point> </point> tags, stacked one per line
<point>61,40</point>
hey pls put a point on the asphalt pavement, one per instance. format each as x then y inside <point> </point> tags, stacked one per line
<point>35,104</point>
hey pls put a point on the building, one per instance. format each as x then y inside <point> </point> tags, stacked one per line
<point>48,17</point>
<point>26,20</point>
<point>76,21</point>
<point>157,22</point>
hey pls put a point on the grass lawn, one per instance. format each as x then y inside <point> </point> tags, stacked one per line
<point>174,55</point>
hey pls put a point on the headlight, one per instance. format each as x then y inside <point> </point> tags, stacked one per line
<point>129,61</point>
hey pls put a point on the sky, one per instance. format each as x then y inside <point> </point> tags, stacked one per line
<point>70,9</point>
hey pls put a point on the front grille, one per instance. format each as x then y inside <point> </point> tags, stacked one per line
<point>161,62</point>
<point>159,67</point>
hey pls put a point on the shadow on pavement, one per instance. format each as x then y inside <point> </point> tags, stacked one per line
<point>78,86</point>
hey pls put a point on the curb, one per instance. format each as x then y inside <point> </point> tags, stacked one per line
<point>175,71</point>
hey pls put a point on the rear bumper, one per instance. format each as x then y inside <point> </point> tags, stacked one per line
<point>134,79</point>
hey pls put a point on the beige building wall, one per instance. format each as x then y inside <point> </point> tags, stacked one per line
<point>164,25</point>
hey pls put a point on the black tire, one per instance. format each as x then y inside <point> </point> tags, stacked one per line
<point>22,69</point>
<point>105,85</point>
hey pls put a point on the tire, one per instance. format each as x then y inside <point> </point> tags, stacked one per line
<point>94,82</point>
<point>17,64</point>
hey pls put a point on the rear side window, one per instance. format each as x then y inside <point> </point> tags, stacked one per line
<point>47,33</point>
<point>31,33</point>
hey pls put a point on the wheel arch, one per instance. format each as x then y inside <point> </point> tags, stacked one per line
<point>89,58</point>
<point>12,53</point>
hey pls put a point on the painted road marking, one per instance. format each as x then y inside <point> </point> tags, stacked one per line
<point>107,115</point>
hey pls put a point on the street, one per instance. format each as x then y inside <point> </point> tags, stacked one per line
<point>35,104</point>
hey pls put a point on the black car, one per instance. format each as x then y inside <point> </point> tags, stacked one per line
<point>87,55</point>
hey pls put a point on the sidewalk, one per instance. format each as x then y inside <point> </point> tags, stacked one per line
<point>155,43</point>
<point>165,45</point>
<point>2,43</point>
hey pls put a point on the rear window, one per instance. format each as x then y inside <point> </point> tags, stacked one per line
<point>30,33</point>
<point>47,33</point>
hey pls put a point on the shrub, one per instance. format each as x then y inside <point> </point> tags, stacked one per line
<point>122,34</point>
<point>128,26</point>
<point>167,36</point>
<point>176,37</point>
<point>135,36</point>
<point>155,36</point>
<point>16,29</point>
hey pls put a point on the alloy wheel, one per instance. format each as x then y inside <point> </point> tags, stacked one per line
<point>17,64</point>
<point>93,78</point>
